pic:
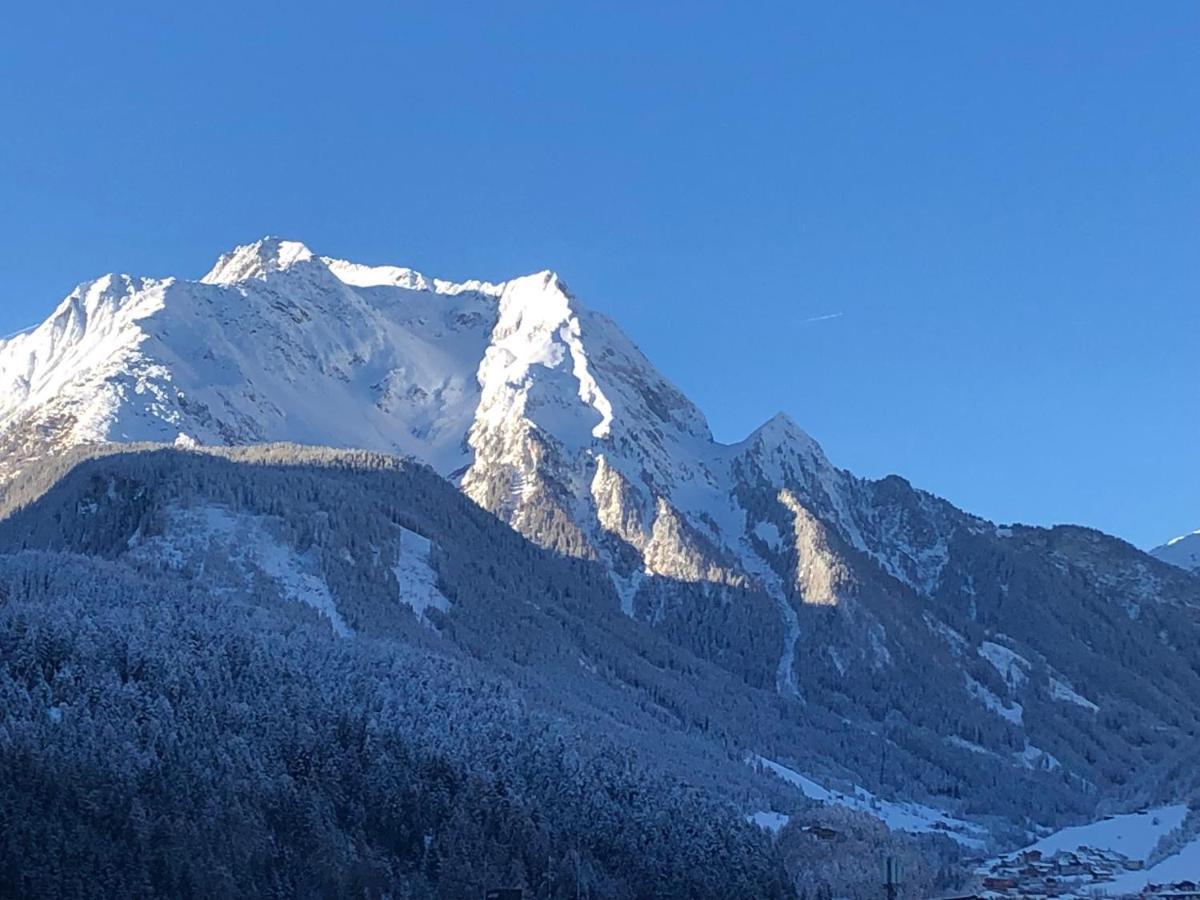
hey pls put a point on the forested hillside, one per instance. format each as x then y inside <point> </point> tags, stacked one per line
<point>253,603</point>
<point>171,689</point>
<point>158,740</point>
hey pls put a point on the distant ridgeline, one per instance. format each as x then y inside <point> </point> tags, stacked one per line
<point>540,651</point>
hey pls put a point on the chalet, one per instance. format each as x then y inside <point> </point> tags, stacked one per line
<point>1179,890</point>
<point>823,833</point>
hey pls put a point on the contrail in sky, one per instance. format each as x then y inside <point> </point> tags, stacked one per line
<point>823,318</point>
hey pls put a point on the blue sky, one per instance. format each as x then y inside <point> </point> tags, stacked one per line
<point>997,207</point>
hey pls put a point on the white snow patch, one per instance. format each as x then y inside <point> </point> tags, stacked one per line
<point>1013,667</point>
<point>955,641</point>
<point>627,589</point>
<point>1013,711</point>
<point>896,815</point>
<point>1060,690</point>
<point>771,821</point>
<point>1133,835</point>
<point>1181,866</point>
<point>281,563</point>
<point>877,635</point>
<point>1036,758</point>
<point>769,534</point>
<point>785,672</point>
<point>836,658</point>
<point>415,576</point>
<point>359,275</point>
<point>964,744</point>
<point>192,538</point>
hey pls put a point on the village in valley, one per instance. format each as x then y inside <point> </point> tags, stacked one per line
<point>1084,872</point>
<point>1118,856</point>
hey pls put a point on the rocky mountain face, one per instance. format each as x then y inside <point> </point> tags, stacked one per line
<point>1013,672</point>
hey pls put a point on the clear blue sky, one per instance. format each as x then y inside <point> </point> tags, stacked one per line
<point>1001,202</point>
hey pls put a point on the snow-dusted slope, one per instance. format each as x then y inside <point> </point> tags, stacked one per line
<point>1183,865</point>
<point>915,818</point>
<point>1134,835</point>
<point>271,344</point>
<point>1183,551</point>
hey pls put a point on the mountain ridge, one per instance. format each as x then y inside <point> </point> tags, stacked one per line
<point>978,653</point>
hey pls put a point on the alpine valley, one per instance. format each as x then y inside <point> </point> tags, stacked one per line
<point>335,579</point>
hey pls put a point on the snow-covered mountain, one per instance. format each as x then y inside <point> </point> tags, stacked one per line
<point>547,413</point>
<point>1183,551</point>
<point>1050,662</point>
<point>272,343</point>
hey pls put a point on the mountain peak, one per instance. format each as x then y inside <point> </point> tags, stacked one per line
<point>543,282</point>
<point>538,300</point>
<point>257,260</point>
<point>781,428</point>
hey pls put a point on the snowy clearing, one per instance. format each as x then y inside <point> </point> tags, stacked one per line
<point>916,818</point>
